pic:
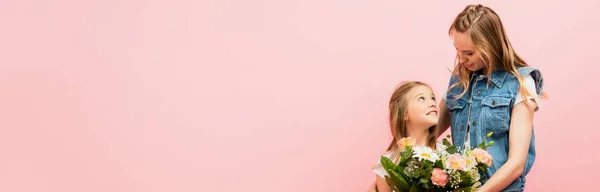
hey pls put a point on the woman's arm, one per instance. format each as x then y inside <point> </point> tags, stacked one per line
<point>519,140</point>
<point>444,118</point>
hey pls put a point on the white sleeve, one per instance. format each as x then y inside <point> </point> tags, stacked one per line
<point>378,169</point>
<point>530,86</point>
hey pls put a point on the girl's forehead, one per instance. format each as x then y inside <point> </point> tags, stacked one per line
<point>421,89</point>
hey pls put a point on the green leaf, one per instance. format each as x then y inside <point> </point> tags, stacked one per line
<point>452,149</point>
<point>439,163</point>
<point>390,182</point>
<point>489,134</point>
<point>400,174</point>
<point>424,180</point>
<point>427,186</point>
<point>387,164</point>
<point>401,168</point>
<point>483,168</point>
<point>403,184</point>
<point>446,142</point>
<point>417,175</point>
<point>466,180</point>
<point>491,143</point>
<point>399,181</point>
<point>413,189</point>
<point>406,154</point>
<point>465,189</point>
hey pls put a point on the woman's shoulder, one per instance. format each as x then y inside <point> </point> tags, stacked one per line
<point>524,71</point>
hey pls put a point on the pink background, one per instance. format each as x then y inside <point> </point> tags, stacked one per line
<point>267,95</point>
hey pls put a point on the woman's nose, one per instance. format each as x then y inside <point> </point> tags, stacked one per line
<point>462,60</point>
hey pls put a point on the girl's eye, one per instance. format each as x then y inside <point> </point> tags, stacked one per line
<point>421,98</point>
<point>469,54</point>
<point>433,98</point>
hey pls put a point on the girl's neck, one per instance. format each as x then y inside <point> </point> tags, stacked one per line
<point>421,135</point>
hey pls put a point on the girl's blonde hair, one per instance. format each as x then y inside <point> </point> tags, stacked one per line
<point>398,105</point>
<point>487,33</point>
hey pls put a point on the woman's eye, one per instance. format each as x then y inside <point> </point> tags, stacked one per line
<point>433,98</point>
<point>468,54</point>
<point>421,98</point>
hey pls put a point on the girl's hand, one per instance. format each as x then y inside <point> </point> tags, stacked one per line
<point>372,187</point>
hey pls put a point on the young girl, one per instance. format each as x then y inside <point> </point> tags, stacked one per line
<point>492,89</point>
<point>413,113</point>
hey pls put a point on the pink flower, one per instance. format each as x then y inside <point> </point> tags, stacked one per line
<point>482,156</point>
<point>406,141</point>
<point>456,162</point>
<point>439,177</point>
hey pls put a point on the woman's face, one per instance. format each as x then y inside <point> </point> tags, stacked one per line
<point>467,53</point>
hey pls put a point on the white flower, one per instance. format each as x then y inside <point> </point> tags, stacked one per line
<point>440,146</point>
<point>441,149</point>
<point>471,162</point>
<point>474,174</point>
<point>443,154</point>
<point>425,153</point>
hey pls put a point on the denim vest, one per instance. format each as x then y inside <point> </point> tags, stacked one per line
<point>487,108</point>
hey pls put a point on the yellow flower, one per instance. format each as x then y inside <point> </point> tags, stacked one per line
<point>406,142</point>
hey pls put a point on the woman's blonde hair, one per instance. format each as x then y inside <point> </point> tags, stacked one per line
<point>398,105</point>
<point>487,33</point>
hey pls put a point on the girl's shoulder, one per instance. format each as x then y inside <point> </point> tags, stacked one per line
<point>378,168</point>
<point>387,154</point>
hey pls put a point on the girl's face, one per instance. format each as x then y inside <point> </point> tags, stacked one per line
<point>421,110</point>
<point>467,54</point>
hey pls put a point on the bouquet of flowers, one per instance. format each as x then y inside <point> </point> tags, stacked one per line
<point>422,169</point>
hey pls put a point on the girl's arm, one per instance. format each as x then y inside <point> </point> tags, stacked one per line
<point>373,186</point>
<point>444,118</point>
<point>382,185</point>
<point>519,140</point>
